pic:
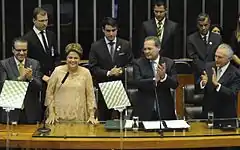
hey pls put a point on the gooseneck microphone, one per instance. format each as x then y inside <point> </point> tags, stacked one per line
<point>44,129</point>
<point>158,111</point>
<point>157,103</point>
<point>65,77</point>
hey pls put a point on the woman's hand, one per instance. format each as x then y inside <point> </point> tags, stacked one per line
<point>92,120</point>
<point>52,118</point>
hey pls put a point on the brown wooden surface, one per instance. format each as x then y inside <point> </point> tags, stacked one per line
<point>183,79</point>
<point>82,136</point>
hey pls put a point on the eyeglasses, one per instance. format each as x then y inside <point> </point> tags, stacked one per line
<point>19,50</point>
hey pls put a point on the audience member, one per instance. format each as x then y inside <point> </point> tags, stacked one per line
<point>42,43</point>
<point>167,31</point>
<point>21,68</point>
<point>221,83</point>
<point>107,59</point>
<point>70,93</point>
<point>154,76</point>
<point>202,44</point>
<point>235,43</point>
<point>215,28</point>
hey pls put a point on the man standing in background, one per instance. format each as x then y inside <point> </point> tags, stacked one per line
<point>166,30</point>
<point>107,59</point>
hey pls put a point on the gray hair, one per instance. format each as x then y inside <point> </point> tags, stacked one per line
<point>155,39</point>
<point>228,48</point>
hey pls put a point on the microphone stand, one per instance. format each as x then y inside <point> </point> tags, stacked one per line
<point>44,129</point>
<point>158,111</point>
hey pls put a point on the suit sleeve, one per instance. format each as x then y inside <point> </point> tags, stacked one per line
<point>37,81</point>
<point>96,70</point>
<point>3,74</point>
<point>91,102</point>
<point>232,90</point>
<point>171,81</point>
<point>140,82</point>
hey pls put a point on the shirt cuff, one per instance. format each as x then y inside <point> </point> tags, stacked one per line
<point>164,79</point>
<point>218,87</point>
<point>108,72</point>
<point>201,85</point>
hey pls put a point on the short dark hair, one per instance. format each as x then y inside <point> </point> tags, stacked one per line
<point>18,39</point>
<point>159,3</point>
<point>217,26</point>
<point>109,21</point>
<point>155,39</point>
<point>39,10</point>
<point>202,17</point>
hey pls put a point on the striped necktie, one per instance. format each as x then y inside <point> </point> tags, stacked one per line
<point>159,29</point>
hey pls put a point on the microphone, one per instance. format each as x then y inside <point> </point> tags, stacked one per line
<point>44,129</point>
<point>157,103</point>
<point>64,78</point>
<point>158,111</point>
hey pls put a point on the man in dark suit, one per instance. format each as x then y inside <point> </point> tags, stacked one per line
<point>21,68</point>
<point>154,76</point>
<point>221,83</point>
<point>42,43</point>
<point>201,45</point>
<point>166,30</point>
<point>42,47</point>
<point>107,59</point>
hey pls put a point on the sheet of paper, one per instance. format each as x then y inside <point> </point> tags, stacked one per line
<point>171,124</point>
<point>128,124</point>
<point>152,125</point>
<point>177,124</point>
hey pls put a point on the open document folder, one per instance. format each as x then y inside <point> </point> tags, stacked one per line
<point>13,94</point>
<point>166,124</point>
<point>114,94</point>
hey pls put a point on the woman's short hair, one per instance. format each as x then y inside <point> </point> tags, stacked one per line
<point>74,47</point>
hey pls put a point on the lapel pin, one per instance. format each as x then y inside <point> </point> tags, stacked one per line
<point>119,47</point>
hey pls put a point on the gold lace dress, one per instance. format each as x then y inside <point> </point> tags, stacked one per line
<point>73,100</point>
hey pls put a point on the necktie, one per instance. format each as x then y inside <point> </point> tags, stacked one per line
<point>205,39</point>
<point>154,67</point>
<point>219,71</point>
<point>21,69</point>
<point>44,41</point>
<point>111,43</point>
<point>159,29</point>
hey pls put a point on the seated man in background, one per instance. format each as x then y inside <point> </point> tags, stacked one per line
<point>154,76</point>
<point>221,83</point>
<point>21,68</point>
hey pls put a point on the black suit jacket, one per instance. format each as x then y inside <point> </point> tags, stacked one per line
<point>100,60</point>
<point>224,102</point>
<point>143,74</point>
<point>32,106</point>
<point>201,52</point>
<point>171,42</point>
<point>49,59</point>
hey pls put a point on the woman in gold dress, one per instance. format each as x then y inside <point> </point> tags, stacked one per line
<point>72,99</point>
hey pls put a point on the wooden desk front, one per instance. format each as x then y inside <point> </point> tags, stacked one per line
<point>82,136</point>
